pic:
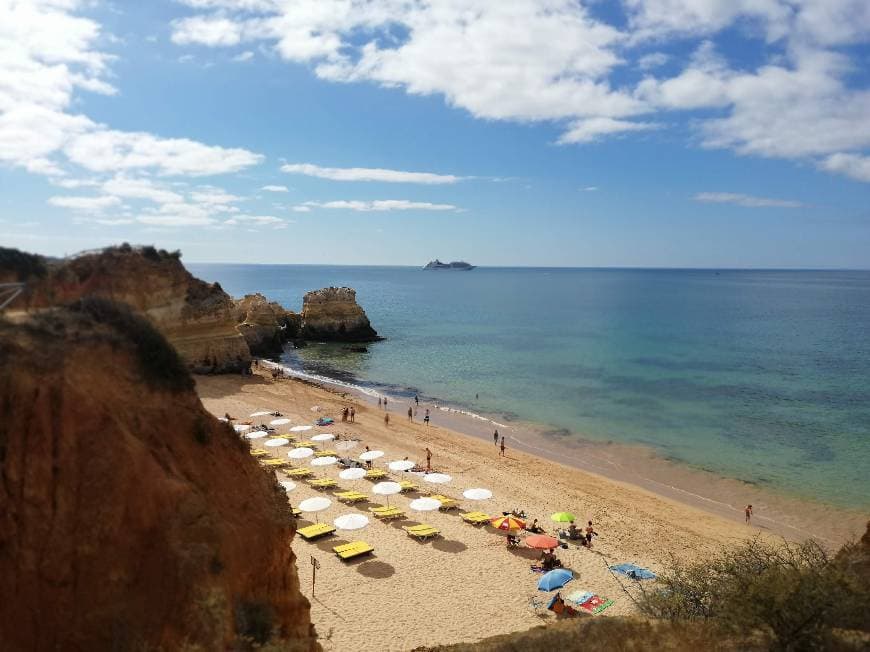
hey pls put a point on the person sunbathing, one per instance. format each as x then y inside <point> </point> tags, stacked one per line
<point>534,528</point>
<point>512,541</point>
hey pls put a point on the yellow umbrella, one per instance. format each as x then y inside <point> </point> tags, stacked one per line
<point>507,523</point>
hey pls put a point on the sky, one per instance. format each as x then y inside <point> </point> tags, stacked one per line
<point>640,133</point>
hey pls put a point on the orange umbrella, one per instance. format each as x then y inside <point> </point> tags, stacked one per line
<point>507,523</point>
<point>542,542</point>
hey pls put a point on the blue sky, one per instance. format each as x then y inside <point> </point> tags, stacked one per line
<point>525,132</point>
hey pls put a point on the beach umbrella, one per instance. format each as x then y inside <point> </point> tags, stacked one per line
<point>437,478</point>
<point>563,517</point>
<point>261,413</point>
<point>555,579</point>
<point>224,419</point>
<point>277,441</point>
<point>345,445</point>
<point>278,422</point>
<point>387,489</point>
<point>425,504</point>
<point>351,522</point>
<point>368,456</point>
<point>241,427</point>
<point>316,504</point>
<point>299,428</point>
<point>507,523</point>
<point>256,434</point>
<point>401,465</point>
<point>324,461</point>
<point>300,453</point>
<point>288,486</point>
<point>326,436</point>
<point>541,542</point>
<point>477,494</point>
<point>354,473</point>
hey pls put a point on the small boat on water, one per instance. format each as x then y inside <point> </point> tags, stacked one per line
<point>455,265</point>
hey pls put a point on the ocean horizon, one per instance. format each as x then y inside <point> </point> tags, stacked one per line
<point>761,375</point>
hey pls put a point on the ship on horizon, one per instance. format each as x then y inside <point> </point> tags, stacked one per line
<point>456,265</point>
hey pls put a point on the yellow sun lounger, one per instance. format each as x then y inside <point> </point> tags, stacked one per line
<point>351,496</point>
<point>302,472</point>
<point>297,512</point>
<point>305,444</point>
<point>275,462</point>
<point>475,518</point>
<point>322,483</point>
<point>421,531</point>
<point>326,454</point>
<point>387,513</point>
<point>353,549</point>
<point>259,452</point>
<point>407,485</point>
<point>375,474</point>
<point>446,501</point>
<point>315,531</point>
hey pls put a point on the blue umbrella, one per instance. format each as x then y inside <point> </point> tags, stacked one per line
<point>555,579</point>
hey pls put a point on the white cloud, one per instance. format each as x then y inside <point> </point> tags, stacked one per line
<point>589,188</point>
<point>275,188</point>
<point>382,205</point>
<point>86,204</point>
<point>242,57</point>
<point>258,220</point>
<point>213,196</point>
<point>747,201</point>
<point>653,60</point>
<point>852,165</point>
<point>585,131</point>
<point>301,209</point>
<point>121,186</point>
<point>206,31</point>
<point>368,174</point>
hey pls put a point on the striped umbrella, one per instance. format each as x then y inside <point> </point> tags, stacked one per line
<point>507,523</point>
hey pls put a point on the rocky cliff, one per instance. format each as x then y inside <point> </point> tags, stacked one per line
<point>130,518</point>
<point>265,325</point>
<point>198,318</point>
<point>332,314</point>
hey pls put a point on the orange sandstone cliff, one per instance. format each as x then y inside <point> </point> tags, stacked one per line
<point>130,518</point>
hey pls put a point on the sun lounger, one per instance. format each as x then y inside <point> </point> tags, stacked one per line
<point>375,474</point>
<point>407,485</point>
<point>353,549</point>
<point>301,472</point>
<point>351,496</point>
<point>258,452</point>
<point>386,513</point>
<point>475,518</point>
<point>305,444</point>
<point>297,512</point>
<point>274,462</point>
<point>325,454</point>
<point>315,531</point>
<point>322,483</point>
<point>446,501</point>
<point>421,531</point>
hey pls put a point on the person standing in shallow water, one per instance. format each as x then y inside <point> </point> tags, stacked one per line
<point>379,401</point>
<point>495,437</point>
<point>748,513</point>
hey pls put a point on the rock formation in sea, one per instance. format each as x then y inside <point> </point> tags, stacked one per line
<point>198,318</point>
<point>332,314</point>
<point>266,325</point>
<point>131,518</point>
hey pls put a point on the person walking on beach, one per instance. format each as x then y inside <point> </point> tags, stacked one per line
<point>379,401</point>
<point>410,413</point>
<point>387,419</point>
<point>428,459</point>
<point>589,532</point>
<point>748,513</point>
<point>426,418</point>
<point>344,414</point>
<point>502,447</point>
<point>495,437</point>
<point>416,400</point>
<point>385,402</point>
<point>352,414</point>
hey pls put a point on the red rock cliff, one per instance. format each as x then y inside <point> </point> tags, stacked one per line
<point>130,518</point>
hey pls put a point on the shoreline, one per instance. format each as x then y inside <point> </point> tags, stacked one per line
<point>790,517</point>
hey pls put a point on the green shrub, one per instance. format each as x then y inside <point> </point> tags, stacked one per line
<point>254,621</point>
<point>23,265</point>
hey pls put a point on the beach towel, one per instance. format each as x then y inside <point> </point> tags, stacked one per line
<point>596,604</point>
<point>633,571</point>
<point>324,421</point>
<point>579,597</point>
<point>538,569</point>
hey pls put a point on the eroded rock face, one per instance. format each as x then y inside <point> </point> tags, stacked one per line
<point>332,314</point>
<point>130,518</point>
<point>266,325</point>
<point>198,318</point>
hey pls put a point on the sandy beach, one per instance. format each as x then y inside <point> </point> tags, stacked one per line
<point>465,584</point>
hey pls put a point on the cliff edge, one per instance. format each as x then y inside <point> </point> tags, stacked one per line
<point>130,518</point>
<point>332,314</point>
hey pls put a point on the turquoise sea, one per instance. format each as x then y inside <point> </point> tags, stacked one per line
<point>763,376</point>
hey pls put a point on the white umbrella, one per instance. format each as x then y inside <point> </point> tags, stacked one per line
<point>324,461</point>
<point>241,427</point>
<point>437,478</point>
<point>256,434</point>
<point>277,441</point>
<point>278,422</point>
<point>402,465</point>
<point>261,413</point>
<point>425,504</point>
<point>299,428</point>
<point>224,419</point>
<point>300,453</point>
<point>288,486</point>
<point>387,489</point>
<point>323,437</point>
<point>351,522</point>
<point>316,504</point>
<point>368,456</point>
<point>345,445</point>
<point>477,494</point>
<point>354,473</point>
